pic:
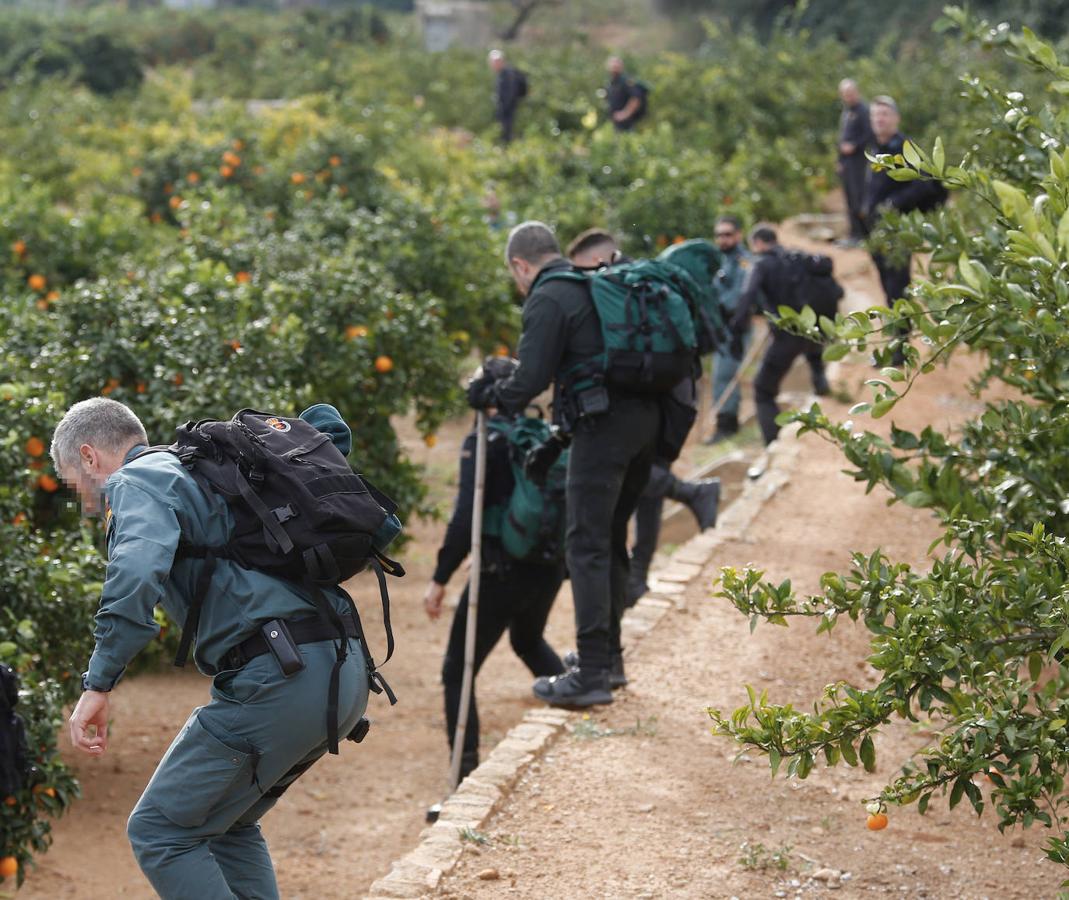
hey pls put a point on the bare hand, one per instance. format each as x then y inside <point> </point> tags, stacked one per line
<point>91,713</point>
<point>847,149</point>
<point>432,600</point>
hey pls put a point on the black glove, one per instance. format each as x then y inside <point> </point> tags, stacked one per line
<point>482,391</point>
<point>540,459</point>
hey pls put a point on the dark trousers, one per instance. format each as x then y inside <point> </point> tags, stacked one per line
<point>894,277</point>
<point>607,472</point>
<point>854,174</point>
<point>517,600</point>
<point>648,514</point>
<point>779,357</point>
<point>507,121</point>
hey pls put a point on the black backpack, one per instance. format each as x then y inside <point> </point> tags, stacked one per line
<point>300,513</point>
<point>14,755</point>
<point>521,84</point>
<point>811,283</point>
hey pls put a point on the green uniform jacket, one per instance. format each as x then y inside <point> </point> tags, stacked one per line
<point>152,503</point>
<point>731,278</point>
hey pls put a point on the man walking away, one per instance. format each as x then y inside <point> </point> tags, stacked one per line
<point>729,283</point>
<point>613,438</point>
<point>884,193</point>
<point>628,98</point>
<point>855,137</point>
<point>513,595</point>
<point>195,831</point>
<point>591,249</point>
<point>510,87</point>
<point>773,282</point>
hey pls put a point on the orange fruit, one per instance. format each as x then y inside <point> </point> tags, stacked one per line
<point>679,239</point>
<point>238,144</point>
<point>168,188</point>
<point>175,202</point>
<point>179,379</point>
<point>18,520</point>
<point>226,171</point>
<point>383,364</point>
<point>298,177</point>
<point>10,800</point>
<point>141,387</point>
<point>193,178</point>
<point>335,161</point>
<point>109,387</point>
<point>9,867</point>
<point>48,484</point>
<point>19,248</point>
<point>876,822</point>
<point>37,282</point>
<point>52,296</point>
<point>501,350</point>
<point>242,277</point>
<point>42,305</point>
<point>430,440</point>
<point>356,331</point>
<point>35,446</point>
<point>155,218</point>
<point>231,159</point>
<point>234,345</point>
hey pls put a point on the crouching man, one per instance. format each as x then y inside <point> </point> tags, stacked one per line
<point>195,831</point>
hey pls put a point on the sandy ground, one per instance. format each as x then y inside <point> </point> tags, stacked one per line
<point>661,812</point>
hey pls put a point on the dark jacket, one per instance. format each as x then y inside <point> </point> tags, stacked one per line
<point>855,127</point>
<point>506,93</point>
<point>904,196</point>
<point>767,287</point>
<point>620,91</point>
<point>560,330</point>
<point>499,484</point>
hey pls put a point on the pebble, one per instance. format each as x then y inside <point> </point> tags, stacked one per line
<point>644,808</point>
<point>827,874</point>
<point>489,875</point>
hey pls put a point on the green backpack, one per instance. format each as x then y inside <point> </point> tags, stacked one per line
<point>701,260</point>
<point>647,310</point>
<point>531,525</point>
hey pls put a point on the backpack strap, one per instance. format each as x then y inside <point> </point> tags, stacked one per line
<point>204,582</point>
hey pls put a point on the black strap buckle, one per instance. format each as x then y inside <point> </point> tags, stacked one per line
<point>284,513</point>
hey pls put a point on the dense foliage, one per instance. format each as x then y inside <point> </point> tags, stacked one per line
<point>973,648</point>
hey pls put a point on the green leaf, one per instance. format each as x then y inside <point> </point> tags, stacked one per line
<point>835,352</point>
<point>912,154</point>
<point>1035,666</point>
<point>939,157</point>
<point>882,407</point>
<point>846,747</point>
<point>774,759</point>
<point>918,499</point>
<point>957,790</point>
<point>868,754</point>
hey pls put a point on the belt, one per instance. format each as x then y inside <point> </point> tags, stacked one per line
<point>309,630</point>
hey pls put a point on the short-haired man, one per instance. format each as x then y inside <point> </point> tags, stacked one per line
<point>590,250</point>
<point>855,137</point>
<point>509,90</point>
<point>195,831</point>
<point>770,286</point>
<point>627,98</point>
<point>613,438</point>
<point>884,193</point>
<point>729,281</point>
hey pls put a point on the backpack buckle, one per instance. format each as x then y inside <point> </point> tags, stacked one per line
<point>284,513</point>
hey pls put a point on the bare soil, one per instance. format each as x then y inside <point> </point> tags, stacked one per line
<point>661,811</point>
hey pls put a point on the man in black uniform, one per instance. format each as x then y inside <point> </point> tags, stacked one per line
<point>627,98</point>
<point>885,193</point>
<point>591,249</point>
<point>613,437</point>
<point>513,595</point>
<point>509,89</point>
<point>769,287</point>
<point>855,136</point>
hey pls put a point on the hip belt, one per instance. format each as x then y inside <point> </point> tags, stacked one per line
<point>309,630</point>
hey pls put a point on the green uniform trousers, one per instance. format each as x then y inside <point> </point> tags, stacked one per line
<point>195,831</point>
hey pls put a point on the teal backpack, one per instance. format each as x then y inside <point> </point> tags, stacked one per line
<point>531,525</point>
<point>701,260</point>
<point>647,309</point>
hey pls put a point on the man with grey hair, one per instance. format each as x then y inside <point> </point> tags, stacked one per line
<point>195,831</point>
<point>855,136</point>
<point>613,437</point>
<point>510,87</point>
<point>627,98</point>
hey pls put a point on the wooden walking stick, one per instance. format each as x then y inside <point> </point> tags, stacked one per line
<point>466,683</point>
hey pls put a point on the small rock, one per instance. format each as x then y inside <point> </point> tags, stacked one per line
<point>826,874</point>
<point>644,808</point>
<point>489,875</point>
<point>1017,842</point>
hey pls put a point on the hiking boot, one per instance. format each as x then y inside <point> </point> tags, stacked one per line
<point>820,385</point>
<point>576,689</point>
<point>617,678</point>
<point>702,498</point>
<point>727,426</point>
<point>636,588</point>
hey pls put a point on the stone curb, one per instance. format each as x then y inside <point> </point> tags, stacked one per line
<point>419,872</point>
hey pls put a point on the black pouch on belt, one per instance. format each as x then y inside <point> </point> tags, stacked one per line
<point>283,647</point>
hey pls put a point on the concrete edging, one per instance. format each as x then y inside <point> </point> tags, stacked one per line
<point>419,872</point>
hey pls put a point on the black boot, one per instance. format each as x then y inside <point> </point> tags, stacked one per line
<point>636,586</point>
<point>820,385</point>
<point>727,426</point>
<point>702,498</point>
<point>617,678</point>
<point>576,689</point>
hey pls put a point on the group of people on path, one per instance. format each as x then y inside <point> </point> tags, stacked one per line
<point>290,666</point>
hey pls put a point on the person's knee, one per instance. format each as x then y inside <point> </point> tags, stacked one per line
<point>144,833</point>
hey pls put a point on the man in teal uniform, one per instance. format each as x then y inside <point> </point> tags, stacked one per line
<point>195,831</point>
<point>729,283</point>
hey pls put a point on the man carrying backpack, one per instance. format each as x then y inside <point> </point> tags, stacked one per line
<point>627,98</point>
<point>590,250</point>
<point>783,278</point>
<point>510,87</point>
<point>195,831</point>
<point>515,595</point>
<point>613,435</point>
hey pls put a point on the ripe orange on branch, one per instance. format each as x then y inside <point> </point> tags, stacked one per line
<point>35,446</point>
<point>9,867</point>
<point>49,485</point>
<point>19,248</point>
<point>876,821</point>
<point>37,282</point>
<point>356,331</point>
<point>384,364</point>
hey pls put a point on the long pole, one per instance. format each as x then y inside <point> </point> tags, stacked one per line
<point>755,348</point>
<point>473,600</point>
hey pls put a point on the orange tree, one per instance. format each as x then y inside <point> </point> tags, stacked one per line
<point>974,647</point>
